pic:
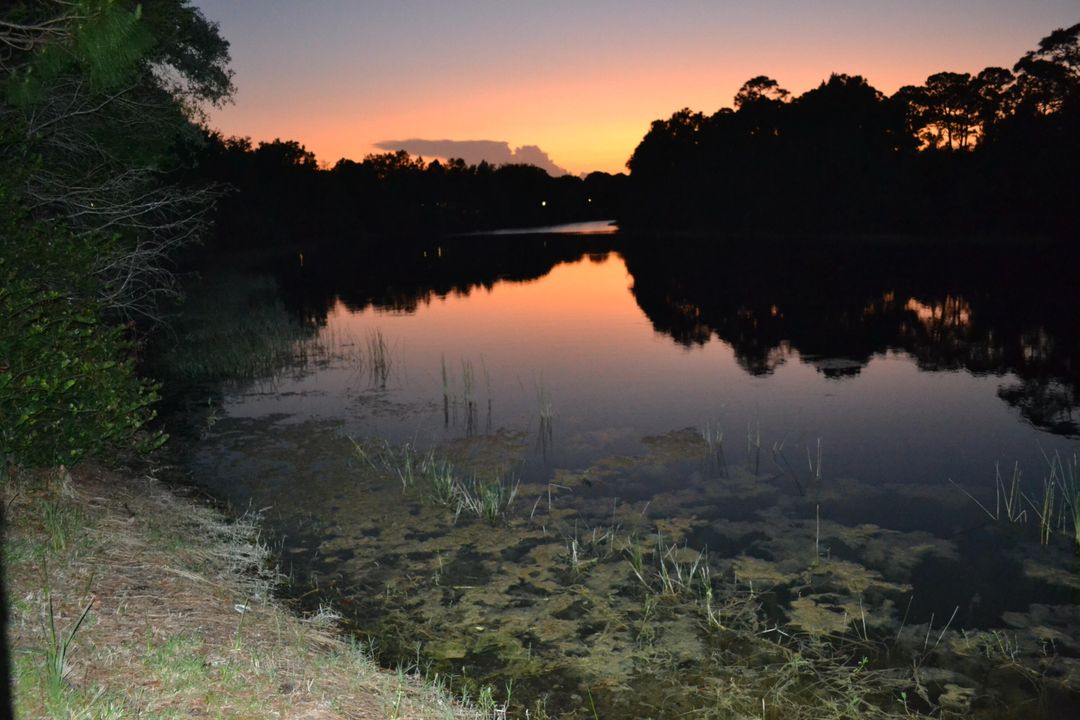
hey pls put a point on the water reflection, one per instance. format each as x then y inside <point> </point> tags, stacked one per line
<point>981,310</point>
<point>986,312</point>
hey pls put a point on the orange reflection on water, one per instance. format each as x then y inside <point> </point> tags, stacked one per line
<point>953,312</point>
<point>580,304</point>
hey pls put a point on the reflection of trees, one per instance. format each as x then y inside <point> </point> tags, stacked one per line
<point>973,308</point>
<point>835,303</point>
<point>1046,403</point>
<point>402,279</point>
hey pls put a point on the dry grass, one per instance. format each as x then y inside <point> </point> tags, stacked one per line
<point>181,620</point>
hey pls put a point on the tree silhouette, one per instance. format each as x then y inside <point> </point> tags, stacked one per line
<point>760,88</point>
<point>992,151</point>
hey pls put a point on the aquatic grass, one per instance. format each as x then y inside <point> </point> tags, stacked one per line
<point>546,427</point>
<point>771,671</point>
<point>1007,498</point>
<point>753,448</point>
<point>489,501</point>
<point>1065,474</point>
<point>468,382</point>
<point>779,459</point>
<point>468,399</point>
<point>815,465</point>
<point>664,573</point>
<point>442,481</point>
<point>439,481</point>
<point>784,466</point>
<point>445,392</point>
<point>379,358</point>
<point>404,463</point>
<point>412,469</point>
<point>732,608</point>
<point>487,386</point>
<point>576,562</point>
<point>232,327</point>
<point>589,549</point>
<point>1044,510</point>
<point>1057,508</point>
<point>714,444</point>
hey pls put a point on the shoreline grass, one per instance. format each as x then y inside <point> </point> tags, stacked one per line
<point>154,605</point>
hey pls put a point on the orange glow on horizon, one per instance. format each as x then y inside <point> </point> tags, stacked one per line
<point>612,113</point>
<point>581,82</point>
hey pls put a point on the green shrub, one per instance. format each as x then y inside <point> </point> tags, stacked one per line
<point>68,386</point>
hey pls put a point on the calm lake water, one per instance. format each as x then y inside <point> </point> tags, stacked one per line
<point>819,421</point>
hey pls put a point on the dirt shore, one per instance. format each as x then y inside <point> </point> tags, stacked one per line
<point>180,618</point>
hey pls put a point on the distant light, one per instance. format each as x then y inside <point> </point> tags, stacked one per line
<point>588,199</point>
<point>543,203</point>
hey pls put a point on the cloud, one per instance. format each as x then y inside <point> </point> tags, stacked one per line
<point>473,151</point>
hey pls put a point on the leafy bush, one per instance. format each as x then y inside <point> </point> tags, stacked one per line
<point>68,386</point>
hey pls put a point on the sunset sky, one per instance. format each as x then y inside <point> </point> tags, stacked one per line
<point>582,80</point>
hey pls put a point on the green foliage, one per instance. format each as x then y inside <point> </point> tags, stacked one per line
<point>68,386</point>
<point>106,46</point>
<point>95,95</point>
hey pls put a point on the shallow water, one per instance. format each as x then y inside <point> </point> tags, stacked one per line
<point>802,433</point>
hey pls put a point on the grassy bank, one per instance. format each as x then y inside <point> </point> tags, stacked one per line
<point>128,600</point>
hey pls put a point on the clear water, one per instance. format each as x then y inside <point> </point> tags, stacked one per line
<point>779,423</point>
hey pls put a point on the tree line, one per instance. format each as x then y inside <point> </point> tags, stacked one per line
<point>277,194</point>
<point>995,150</point>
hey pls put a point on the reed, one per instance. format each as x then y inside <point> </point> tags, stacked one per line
<point>586,549</point>
<point>546,428</point>
<point>468,384</point>
<point>434,475</point>
<point>815,466</point>
<point>379,358</point>
<point>753,448</point>
<point>1057,508</point>
<point>1065,475</point>
<point>442,481</point>
<point>666,574</point>
<point>487,386</point>
<point>1007,498</point>
<point>784,465</point>
<point>714,444</point>
<point>1044,509</point>
<point>232,341</point>
<point>488,501</point>
<point>445,393</point>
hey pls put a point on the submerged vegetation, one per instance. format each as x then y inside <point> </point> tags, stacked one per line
<point>1055,508</point>
<point>435,479</point>
<point>777,611</point>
